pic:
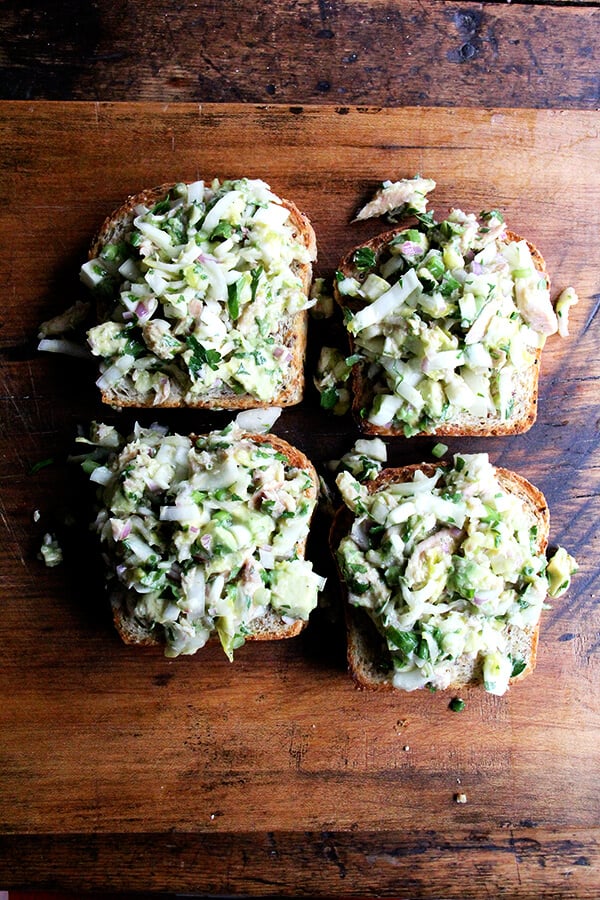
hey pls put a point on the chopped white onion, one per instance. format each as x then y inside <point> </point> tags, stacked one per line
<point>101,475</point>
<point>61,345</point>
<point>258,421</point>
<point>184,513</point>
<point>115,372</point>
<point>386,303</point>
<point>195,192</point>
<point>267,558</point>
<point>193,584</point>
<point>220,210</point>
<point>156,235</point>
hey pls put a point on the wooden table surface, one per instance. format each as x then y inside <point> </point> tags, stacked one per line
<point>123,771</point>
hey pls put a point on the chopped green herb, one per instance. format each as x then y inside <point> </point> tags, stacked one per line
<point>41,464</point>
<point>486,215</point>
<point>200,356</point>
<point>221,232</point>
<point>405,641</point>
<point>255,278</point>
<point>456,704</point>
<point>364,259</point>
<point>426,219</point>
<point>329,398</point>
<point>351,360</point>
<point>161,207</point>
<point>233,298</point>
<point>519,666</point>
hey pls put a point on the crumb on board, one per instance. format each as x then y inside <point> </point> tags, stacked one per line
<point>50,551</point>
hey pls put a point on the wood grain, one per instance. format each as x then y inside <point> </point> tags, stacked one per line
<point>512,862</point>
<point>432,53</point>
<point>274,775</point>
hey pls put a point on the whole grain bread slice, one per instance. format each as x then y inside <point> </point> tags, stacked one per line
<point>369,661</point>
<point>269,627</point>
<point>292,332</point>
<point>525,382</point>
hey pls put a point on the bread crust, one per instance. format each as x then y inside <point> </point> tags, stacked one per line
<point>369,662</point>
<point>270,627</point>
<point>525,390</point>
<point>293,332</point>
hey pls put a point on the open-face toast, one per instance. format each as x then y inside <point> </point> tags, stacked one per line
<point>205,536</point>
<point>447,321</point>
<point>444,572</point>
<point>201,296</point>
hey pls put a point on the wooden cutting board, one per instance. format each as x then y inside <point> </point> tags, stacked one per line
<point>121,768</point>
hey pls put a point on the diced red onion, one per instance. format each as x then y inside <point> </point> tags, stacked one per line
<point>410,248</point>
<point>141,310</point>
<point>120,530</point>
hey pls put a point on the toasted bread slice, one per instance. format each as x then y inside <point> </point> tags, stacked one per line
<point>515,409</point>
<point>177,385</point>
<point>369,658</point>
<point>200,615</point>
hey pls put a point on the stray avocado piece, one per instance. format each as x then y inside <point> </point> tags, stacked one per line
<point>561,566</point>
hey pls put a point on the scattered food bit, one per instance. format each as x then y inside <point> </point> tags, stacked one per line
<point>66,321</point>
<point>333,371</point>
<point>565,301</point>
<point>323,300</point>
<point>393,197</point>
<point>560,568</point>
<point>51,551</point>
<point>41,464</point>
<point>64,346</point>
<point>364,461</point>
<point>438,450</point>
<point>460,798</point>
<point>456,704</point>
<point>36,515</point>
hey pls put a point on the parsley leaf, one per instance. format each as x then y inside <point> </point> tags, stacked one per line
<point>200,356</point>
<point>329,398</point>
<point>364,259</point>
<point>233,298</point>
<point>255,276</point>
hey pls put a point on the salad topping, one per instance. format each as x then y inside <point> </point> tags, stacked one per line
<point>204,535</point>
<point>200,288</point>
<point>447,566</point>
